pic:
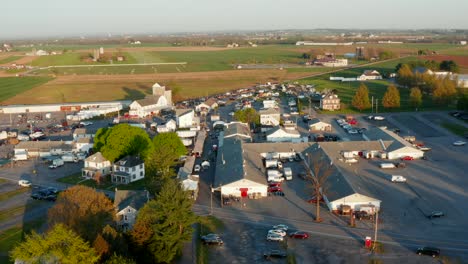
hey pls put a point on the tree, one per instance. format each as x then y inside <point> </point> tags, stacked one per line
<point>122,140</point>
<point>101,246</point>
<point>391,97</point>
<point>59,245</point>
<point>117,259</point>
<point>449,65</point>
<point>415,97</point>
<point>83,210</point>
<point>445,90</point>
<point>167,149</point>
<point>404,75</point>
<point>361,98</point>
<point>248,116</point>
<point>319,170</point>
<point>164,224</point>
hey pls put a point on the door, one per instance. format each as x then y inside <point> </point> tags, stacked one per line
<point>244,192</point>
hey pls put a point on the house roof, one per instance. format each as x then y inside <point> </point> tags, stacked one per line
<point>314,121</point>
<point>149,100</point>
<point>96,157</point>
<point>394,141</point>
<point>124,198</point>
<point>129,161</point>
<point>420,70</point>
<point>371,73</point>
<point>269,111</point>
<point>84,140</point>
<point>43,145</point>
<point>181,112</point>
<point>280,130</point>
<point>211,101</point>
<point>237,128</point>
<point>80,131</point>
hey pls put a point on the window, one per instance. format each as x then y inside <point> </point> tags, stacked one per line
<point>125,218</point>
<point>134,168</point>
<point>127,170</point>
<point>141,166</point>
<point>141,173</point>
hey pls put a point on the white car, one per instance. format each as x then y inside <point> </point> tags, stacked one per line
<point>277,232</point>
<point>24,183</point>
<point>274,237</point>
<point>379,118</point>
<point>352,131</point>
<point>196,168</point>
<point>86,123</point>
<point>459,143</point>
<point>281,226</point>
<point>398,178</point>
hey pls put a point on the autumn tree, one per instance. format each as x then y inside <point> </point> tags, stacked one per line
<point>164,224</point>
<point>122,140</point>
<point>59,245</point>
<point>361,98</point>
<point>83,210</point>
<point>415,97</point>
<point>445,90</point>
<point>405,75</point>
<point>391,97</point>
<point>166,150</point>
<point>101,246</point>
<point>319,169</point>
<point>117,259</point>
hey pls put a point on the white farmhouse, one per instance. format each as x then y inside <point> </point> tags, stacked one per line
<point>185,118</point>
<point>127,204</point>
<point>153,104</point>
<point>207,106</point>
<point>269,117</point>
<point>128,169</point>
<point>96,163</point>
<point>169,126</point>
<point>370,75</point>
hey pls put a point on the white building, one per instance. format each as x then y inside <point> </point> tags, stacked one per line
<point>169,126</point>
<point>185,118</point>
<point>270,104</point>
<point>207,106</point>
<point>370,75</point>
<point>269,117</point>
<point>462,80</point>
<point>81,133</point>
<point>32,149</point>
<point>279,134</point>
<point>395,146</point>
<point>84,145</point>
<point>127,204</point>
<point>128,169</point>
<point>316,125</point>
<point>153,104</point>
<point>96,163</point>
<point>330,102</point>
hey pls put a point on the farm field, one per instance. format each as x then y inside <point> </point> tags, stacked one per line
<point>12,86</point>
<point>8,59</point>
<point>75,59</point>
<point>119,87</point>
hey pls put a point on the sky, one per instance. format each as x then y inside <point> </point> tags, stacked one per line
<point>47,18</point>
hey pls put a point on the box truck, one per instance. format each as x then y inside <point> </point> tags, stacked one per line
<point>56,163</point>
<point>274,176</point>
<point>288,173</point>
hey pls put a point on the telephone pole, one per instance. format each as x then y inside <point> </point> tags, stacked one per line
<point>372,104</point>
<point>375,231</point>
<point>376,106</point>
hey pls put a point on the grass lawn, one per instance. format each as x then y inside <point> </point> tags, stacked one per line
<point>9,238</point>
<point>455,128</point>
<point>9,59</point>
<point>11,86</point>
<point>106,185</point>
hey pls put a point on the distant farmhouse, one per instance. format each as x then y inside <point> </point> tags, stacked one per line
<point>152,104</point>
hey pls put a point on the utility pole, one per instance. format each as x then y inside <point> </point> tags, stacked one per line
<point>211,199</point>
<point>372,111</point>
<point>376,106</point>
<point>375,231</point>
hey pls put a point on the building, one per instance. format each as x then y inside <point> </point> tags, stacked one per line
<point>127,204</point>
<point>316,125</point>
<point>279,134</point>
<point>330,102</point>
<point>370,75</point>
<point>269,104</point>
<point>189,181</point>
<point>128,169</point>
<point>84,144</point>
<point>185,118</point>
<point>462,80</point>
<point>393,145</point>
<point>82,133</point>
<point>32,149</point>
<point>331,62</point>
<point>169,126</point>
<point>237,129</point>
<point>207,106</point>
<point>96,164</point>
<point>269,117</point>
<point>153,104</point>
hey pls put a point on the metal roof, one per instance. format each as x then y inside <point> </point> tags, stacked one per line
<point>124,198</point>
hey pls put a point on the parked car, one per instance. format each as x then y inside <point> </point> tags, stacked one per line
<point>210,236</point>
<point>353,131</point>
<point>274,237</point>
<point>274,184</point>
<point>277,231</point>
<point>299,234</point>
<point>313,200</point>
<point>213,241</point>
<point>275,189</point>
<point>274,254</point>
<point>379,118</point>
<point>86,123</point>
<point>436,214</point>
<point>363,215</point>
<point>407,158</point>
<point>459,143</point>
<point>431,251</point>
<point>398,178</point>
<point>24,183</point>
<point>281,226</point>
<point>196,168</point>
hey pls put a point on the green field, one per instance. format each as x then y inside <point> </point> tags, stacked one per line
<point>70,58</point>
<point>11,86</point>
<point>113,70</point>
<point>9,59</point>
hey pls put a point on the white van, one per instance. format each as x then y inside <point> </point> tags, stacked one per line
<point>274,176</point>
<point>287,173</point>
<point>387,166</point>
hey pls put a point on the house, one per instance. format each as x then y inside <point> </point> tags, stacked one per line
<point>394,145</point>
<point>169,126</point>
<point>207,106</point>
<point>82,133</point>
<point>128,169</point>
<point>96,164</point>
<point>316,125</point>
<point>237,129</point>
<point>152,104</point>
<point>289,125</point>
<point>331,62</point>
<point>370,75</point>
<point>279,134</point>
<point>185,118</point>
<point>127,204</point>
<point>189,181</point>
<point>269,117</point>
<point>330,102</point>
<point>269,104</point>
<point>84,145</point>
<point>31,149</point>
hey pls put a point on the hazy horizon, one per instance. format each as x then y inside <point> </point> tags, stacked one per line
<point>53,18</point>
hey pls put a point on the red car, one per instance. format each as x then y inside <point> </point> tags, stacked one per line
<point>313,200</point>
<point>299,234</point>
<point>407,158</point>
<point>274,184</point>
<point>275,189</point>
